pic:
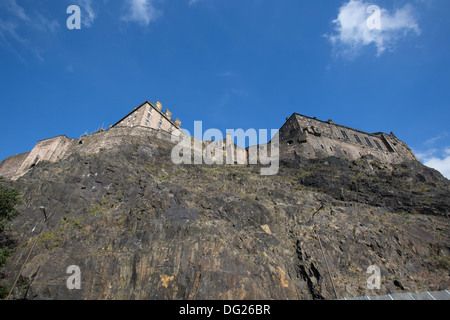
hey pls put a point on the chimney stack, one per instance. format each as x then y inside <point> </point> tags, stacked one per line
<point>168,114</point>
<point>177,122</point>
<point>158,105</point>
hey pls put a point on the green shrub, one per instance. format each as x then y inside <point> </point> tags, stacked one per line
<point>9,199</point>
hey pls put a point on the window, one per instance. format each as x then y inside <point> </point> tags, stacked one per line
<point>358,139</point>
<point>147,122</point>
<point>378,145</point>
<point>160,124</point>
<point>150,110</point>
<point>368,142</point>
<point>149,115</point>
<point>344,134</point>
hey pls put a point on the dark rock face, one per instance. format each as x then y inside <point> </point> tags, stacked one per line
<point>140,227</point>
<point>408,187</point>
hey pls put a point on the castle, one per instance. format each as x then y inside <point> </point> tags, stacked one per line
<point>300,136</point>
<point>312,138</point>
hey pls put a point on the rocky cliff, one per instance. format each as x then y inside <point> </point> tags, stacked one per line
<point>140,227</point>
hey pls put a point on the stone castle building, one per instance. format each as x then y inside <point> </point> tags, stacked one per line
<point>147,121</point>
<point>151,116</point>
<point>312,138</point>
<point>300,136</point>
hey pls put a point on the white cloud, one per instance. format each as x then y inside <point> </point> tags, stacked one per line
<point>440,163</point>
<point>352,33</point>
<point>141,11</point>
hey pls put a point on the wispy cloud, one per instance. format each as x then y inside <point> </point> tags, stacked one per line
<point>433,140</point>
<point>226,74</point>
<point>12,7</point>
<point>8,31</point>
<point>351,32</point>
<point>192,2</point>
<point>87,19</point>
<point>141,11</point>
<point>18,28</point>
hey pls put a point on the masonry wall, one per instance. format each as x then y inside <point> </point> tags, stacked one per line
<point>151,116</point>
<point>300,136</point>
<point>61,147</point>
<point>311,138</point>
<point>45,150</point>
<point>9,166</point>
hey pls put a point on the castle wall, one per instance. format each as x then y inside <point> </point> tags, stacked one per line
<point>300,136</point>
<point>312,138</point>
<point>151,116</point>
<point>61,147</point>
<point>44,150</point>
<point>9,166</point>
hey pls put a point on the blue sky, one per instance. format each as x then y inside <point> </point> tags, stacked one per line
<point>232,64</point>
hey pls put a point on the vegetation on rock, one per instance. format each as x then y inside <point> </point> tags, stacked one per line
<point>140,227</point>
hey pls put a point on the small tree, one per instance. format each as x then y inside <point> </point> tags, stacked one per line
<point>9,199</point>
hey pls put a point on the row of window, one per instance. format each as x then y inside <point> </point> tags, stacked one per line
<point>147,121</point>
<point>369,143</point>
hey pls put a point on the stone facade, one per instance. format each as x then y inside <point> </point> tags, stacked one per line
<point>9,166</point>
<point>151,116</point>
<point>137,124</point>
<point>300,136</point>
<point>312,138</point>
<point>145,124</point>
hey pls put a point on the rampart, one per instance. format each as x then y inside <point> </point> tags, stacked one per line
<point>61,147</point>
<point>300,136</point>
<point>306,137</point>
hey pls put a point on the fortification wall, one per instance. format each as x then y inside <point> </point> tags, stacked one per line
<point>9,166</point>
<point>61,147</point>
<point>322,147</point>
<point>311,138</point>
<point>300,136</point>
<point>44,150</point>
